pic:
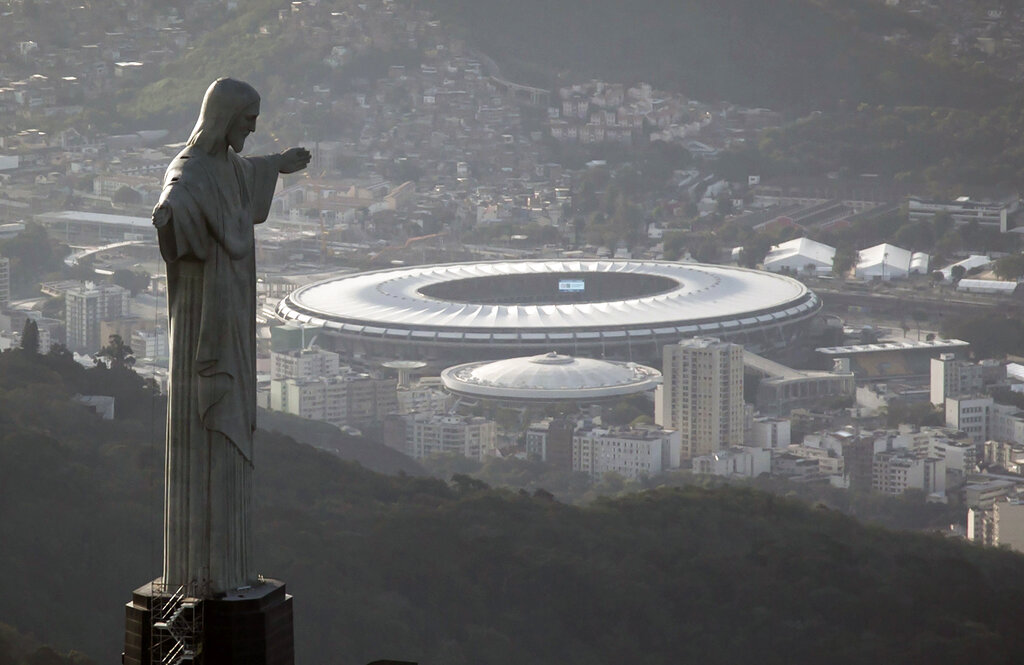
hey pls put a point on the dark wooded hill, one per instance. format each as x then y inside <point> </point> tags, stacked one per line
<point>455,572</point>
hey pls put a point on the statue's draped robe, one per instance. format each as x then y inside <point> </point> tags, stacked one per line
<point>208,246</point>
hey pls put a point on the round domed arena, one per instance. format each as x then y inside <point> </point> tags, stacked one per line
<point>549,377</point>
<point>615,309</point>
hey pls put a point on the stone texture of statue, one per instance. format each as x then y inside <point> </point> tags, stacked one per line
<point>210,201</point>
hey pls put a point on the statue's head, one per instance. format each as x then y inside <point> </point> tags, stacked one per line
<point>230,109</point>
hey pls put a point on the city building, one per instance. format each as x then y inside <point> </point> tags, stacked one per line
<point>86,306</point>
<point>1000,525</point>
<point>859,460</point>
<point>985,494</point>
<point>1000,213</point>
<point>766,432</point>
<point>421,435</point>
<point>1008,455</point>
<point>959,453</point>
<point>896,471</point>
<point>5,282</point>
<point>738,461</point>
<point>828,463</point>
<point>786,464</point>
<point>150,343</point>
<point>702,394</point>
<point>782,389</point>
<point>951,378</point>
<point>970,414</point>
<point>1006,423</point>
<point>631,453</point>
<point>345,399</point>
<point>427,395</point>
<point>324,399</point>
<point>311,363</point>
<point>93,228</point>
<point>551,441</point>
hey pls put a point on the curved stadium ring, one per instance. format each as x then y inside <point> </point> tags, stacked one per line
<point>621,309</point>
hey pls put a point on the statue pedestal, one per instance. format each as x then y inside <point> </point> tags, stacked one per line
<point>251,626</point>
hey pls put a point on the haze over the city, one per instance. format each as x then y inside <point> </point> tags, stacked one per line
<point>642,332</point>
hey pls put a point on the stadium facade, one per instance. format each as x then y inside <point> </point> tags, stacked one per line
<point>615,309</point>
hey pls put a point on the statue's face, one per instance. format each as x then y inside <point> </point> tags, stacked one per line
<point>242,126</point>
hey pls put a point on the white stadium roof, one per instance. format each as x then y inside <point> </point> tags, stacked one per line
<point>549,377</point>
<point>702,299</point>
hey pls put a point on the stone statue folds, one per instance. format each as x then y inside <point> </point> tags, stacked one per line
<point>211,199</point>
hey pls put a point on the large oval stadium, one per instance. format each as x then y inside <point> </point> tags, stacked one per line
<point>619,309</point>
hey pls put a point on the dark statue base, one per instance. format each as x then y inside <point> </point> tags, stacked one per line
<point>251,626</point>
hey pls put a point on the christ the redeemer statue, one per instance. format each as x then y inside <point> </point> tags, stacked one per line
<point>211,199</point>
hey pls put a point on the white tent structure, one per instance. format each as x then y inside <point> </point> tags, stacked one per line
<point>795,255</point>
<point>971,262</point>
<point>986,286</point>
<point>919,263</point>
<point>887,262</point>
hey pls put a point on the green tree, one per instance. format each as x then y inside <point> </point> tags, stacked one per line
<point>30,337</point>
<point>131,280</point>
<point>843,261</point>
<point>33,256</point>
<point>125,195</point>
<point>1010,267</point>
<point>117,353</point>
<point>754,250</point>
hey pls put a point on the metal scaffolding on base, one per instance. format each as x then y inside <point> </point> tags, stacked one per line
<point>177,628</point>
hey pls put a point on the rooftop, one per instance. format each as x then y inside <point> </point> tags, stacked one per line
<point>550,376</point>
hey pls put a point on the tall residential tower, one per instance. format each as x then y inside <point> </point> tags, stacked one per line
<point>702,394</point>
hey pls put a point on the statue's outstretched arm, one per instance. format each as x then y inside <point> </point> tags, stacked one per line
<point>293,159</point>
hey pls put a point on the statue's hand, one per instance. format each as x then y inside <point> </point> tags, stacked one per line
<point>161,215</point>
<point>294,159</point>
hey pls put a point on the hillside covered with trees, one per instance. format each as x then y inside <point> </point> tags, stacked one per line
<point>456,572</point>
<point>787,54</point>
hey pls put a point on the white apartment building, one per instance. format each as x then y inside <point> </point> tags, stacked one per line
<point>951,378</point>
<point>429,434</point>
<point>742,461</point>
<point>150,343</point>
<point>959,455</point>
<point>1006,423</point>
<point>1001,525</point>
<point>829,463</point>
<point>985,494</point>
<point>312,363</point>
<point>86,306</point>
<point>425,396</point>
<point>702,394</point>
<point>971,415</point>
<point>632,453</point>
<point>324,399</point>
<point>350,398</point>
<point>5,282</point>
<point>896,471</point>
<point>770,433</point>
